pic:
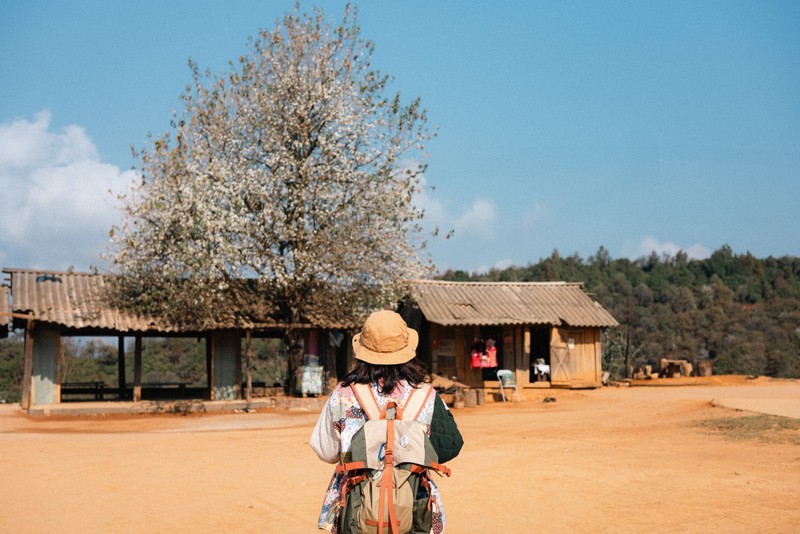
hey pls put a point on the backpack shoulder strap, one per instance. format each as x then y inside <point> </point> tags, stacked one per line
<point>416,401</point>
<point>367,401</point>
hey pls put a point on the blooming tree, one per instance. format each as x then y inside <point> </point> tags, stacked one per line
<point>283,190</point>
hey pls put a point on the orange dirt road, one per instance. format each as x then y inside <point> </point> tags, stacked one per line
<point>617,459</point>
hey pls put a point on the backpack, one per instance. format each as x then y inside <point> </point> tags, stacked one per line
<point>387,488</point>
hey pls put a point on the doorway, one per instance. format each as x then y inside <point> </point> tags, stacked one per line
<point>540,353</point>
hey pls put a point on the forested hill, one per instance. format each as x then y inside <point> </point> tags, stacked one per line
<point>737,310</point>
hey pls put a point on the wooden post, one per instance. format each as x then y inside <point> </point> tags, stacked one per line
<point>248,356</point>
<point>121,367</point>
<point>27,369</point>
<point>237,371</point>
<point>210,365</point>
<point>137,369</point>
<point>628,367</point>
<point>57,378</point>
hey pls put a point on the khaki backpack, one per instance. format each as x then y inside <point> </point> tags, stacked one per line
<point>387,488</point>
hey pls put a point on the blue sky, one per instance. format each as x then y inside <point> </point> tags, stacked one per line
<point>638,126</point>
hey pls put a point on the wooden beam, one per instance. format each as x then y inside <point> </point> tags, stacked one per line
<point>137,369</point>
<point>15,315</point>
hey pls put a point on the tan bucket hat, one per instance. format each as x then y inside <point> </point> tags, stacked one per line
<point>385,339</point>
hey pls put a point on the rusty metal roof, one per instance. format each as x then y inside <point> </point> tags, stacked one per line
<point>74,300</point>
<point>506,303</point>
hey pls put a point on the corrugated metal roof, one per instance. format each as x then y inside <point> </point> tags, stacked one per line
<point>505,303</point>
<point>74,300</point>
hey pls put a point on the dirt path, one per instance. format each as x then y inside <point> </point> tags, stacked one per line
<point>608,460</point>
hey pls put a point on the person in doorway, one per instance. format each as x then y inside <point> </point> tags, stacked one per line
<point>477,352</point>
<point>385,351</point>
<point>491,353</point>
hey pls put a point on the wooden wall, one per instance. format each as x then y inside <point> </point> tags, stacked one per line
<point>575,355</point>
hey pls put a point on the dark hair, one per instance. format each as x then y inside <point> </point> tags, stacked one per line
<point>412,372</point>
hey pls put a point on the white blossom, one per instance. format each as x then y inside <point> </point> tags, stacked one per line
<point>294,169</point>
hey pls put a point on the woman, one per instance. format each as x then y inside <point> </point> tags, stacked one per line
<point>385,349</point>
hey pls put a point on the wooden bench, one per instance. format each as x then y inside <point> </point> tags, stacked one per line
<point>161,390</point>
<point>95,389</point>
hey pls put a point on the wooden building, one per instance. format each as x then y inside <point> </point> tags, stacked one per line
<point>50,305</point>
<point>553,323</point>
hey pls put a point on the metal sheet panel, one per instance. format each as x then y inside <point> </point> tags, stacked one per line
<point>73,300</point>
<point>4,305</point>
<point>5,310</point>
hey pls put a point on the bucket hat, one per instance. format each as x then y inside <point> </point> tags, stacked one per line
<point>385,339</point>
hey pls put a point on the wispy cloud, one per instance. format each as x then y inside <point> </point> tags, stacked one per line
<point>478,220</point>
<point>650,244</point>
<point>435,215</point>
<point>535,214</point>
<point>499,265</point>
<point>56,204</point>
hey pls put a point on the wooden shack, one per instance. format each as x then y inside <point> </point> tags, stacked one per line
<point>536,326</point>
<point>50,305</point>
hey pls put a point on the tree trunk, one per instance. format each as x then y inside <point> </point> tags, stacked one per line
<point>294,341</point>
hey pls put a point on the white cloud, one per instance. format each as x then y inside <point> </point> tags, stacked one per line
<point>650,244</point>
<point>56,208</point>
<point>478,220</point>
<point>499,265</point>
<point>698,252</point>
<point>504,264</point>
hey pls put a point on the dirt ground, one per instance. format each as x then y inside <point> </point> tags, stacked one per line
<point>608,460</point>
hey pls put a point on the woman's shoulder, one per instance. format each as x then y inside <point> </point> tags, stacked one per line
<point>341,391</point>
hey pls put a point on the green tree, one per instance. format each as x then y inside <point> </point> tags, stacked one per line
<point>11,352</point>
<point>740,311</point>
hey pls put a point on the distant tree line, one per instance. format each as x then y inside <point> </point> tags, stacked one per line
<point>741,312</point>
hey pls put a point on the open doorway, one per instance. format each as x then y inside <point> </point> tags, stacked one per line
<point>540,354</point>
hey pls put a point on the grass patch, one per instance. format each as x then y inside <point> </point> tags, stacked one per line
<point>766,428</point>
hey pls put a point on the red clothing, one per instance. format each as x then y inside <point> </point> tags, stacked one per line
<point>491,360</point>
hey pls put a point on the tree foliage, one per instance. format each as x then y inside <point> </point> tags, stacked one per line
<point>294,170</point>
<point>737,310</point>
<point>11,352</point>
